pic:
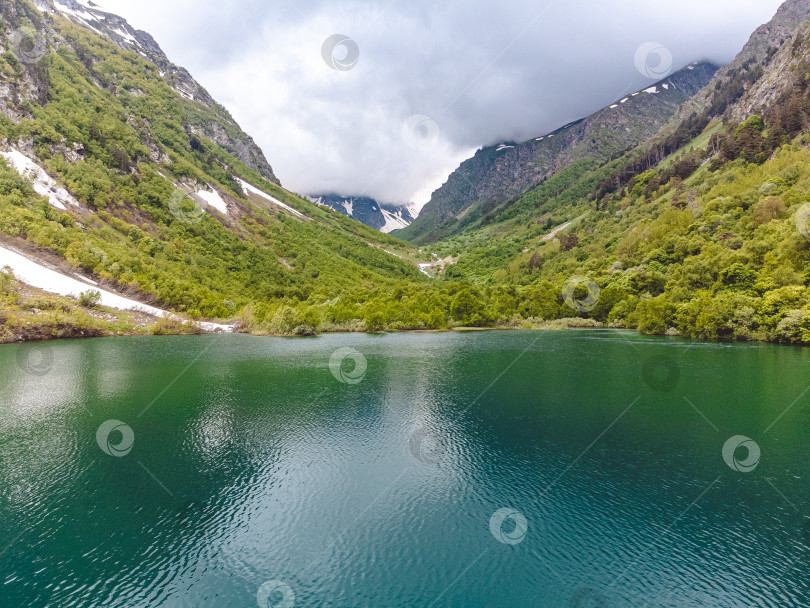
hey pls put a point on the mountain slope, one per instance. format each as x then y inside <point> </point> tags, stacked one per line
<point>216,124</point>
<point>384,218</point>
<point>107,167</point>
<point>701,232</point>
<point>498,173</point>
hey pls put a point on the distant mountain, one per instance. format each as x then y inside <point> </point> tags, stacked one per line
<point>384,218</point>
<point>501,172</point>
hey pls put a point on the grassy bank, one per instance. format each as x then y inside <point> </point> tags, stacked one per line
<point>29,314</point>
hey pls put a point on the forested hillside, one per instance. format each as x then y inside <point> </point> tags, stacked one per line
<point>701,232</point>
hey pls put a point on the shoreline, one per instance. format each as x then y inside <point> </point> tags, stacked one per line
<point>79,334</point>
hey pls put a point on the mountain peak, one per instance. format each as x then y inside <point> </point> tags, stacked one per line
<point>384,217</point>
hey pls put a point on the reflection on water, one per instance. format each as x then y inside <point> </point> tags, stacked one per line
<point>488,469</point>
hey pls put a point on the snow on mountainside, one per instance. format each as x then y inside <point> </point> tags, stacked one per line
<point>224,131</point>
<point>382,217</point>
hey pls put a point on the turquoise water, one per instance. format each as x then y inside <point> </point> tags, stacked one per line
<point>494,469</point>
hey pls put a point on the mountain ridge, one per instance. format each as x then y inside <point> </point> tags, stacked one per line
<point>497,173</point>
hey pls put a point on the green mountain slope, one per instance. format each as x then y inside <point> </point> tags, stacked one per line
<point>149,204</point>
<point>702,232</point>
<point>499,173</point>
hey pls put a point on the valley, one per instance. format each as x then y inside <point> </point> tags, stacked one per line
<point>678,202</point>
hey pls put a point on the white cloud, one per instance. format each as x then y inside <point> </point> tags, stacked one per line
<point>486,73</point>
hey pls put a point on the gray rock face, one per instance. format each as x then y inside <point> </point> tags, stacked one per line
<point>225,131</point>
<point>755,54</point>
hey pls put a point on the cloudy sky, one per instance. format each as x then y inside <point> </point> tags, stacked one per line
<point>386,98</point>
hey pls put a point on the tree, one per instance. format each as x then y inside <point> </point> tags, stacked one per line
<point>568,241</point>
<point>768,210</point>
<point>90,298</point>
<point>467,308</point>
<point>536,263</point>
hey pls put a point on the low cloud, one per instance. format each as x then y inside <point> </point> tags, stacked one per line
<point>482,73</point>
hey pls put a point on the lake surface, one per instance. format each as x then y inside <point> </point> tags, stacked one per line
<point>498,469</point>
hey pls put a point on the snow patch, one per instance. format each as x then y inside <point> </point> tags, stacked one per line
<point>503,147</point>
<point>624,100</point>
<point>254,190</point>
<point>214,200</point>
<point>127,36</point>
<point>184,94</point>
<point>539,138</point>
<point>690,67</point>
<point>37,275</point>
<point>615,105</point>
<point>666,86</point>
<point>81,278</point>
<point>653,90</point>
<point>348,205</point>
<point>83,16</point>
<point>44,184</point>
<point>393,221</point>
